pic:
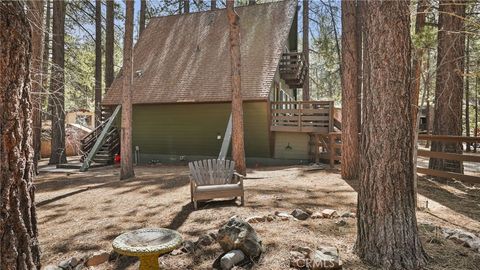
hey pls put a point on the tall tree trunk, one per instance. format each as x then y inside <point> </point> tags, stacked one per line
<point>238,144</point>
<point>387,227</point>
<point>467,92</point>
<point>449,84</point>
<point>98,62</point>
<point>126,136</point>
<point>427,89</point>
<point>350,87</point>
<point>186,6</point>
<point>109,43</point>
<point>46,46</point>
<point>57,85</point>
<point>213,4</point>
<point>417,67</point>
<point>306,52</point>
<point>359,27</point>
<point>252,2</point>
<point>35,17</point>
<point>143,9</point>
<point>476,131</point>
<point>19,248</point>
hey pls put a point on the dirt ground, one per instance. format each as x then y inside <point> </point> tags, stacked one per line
<point>80,213</point>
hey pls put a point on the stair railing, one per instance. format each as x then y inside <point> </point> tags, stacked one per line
<point>100,140</point>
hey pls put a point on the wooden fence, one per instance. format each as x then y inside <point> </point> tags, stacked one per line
<point>449,156</point>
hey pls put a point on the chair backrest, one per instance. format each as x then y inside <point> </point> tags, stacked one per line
<point>212,171</point>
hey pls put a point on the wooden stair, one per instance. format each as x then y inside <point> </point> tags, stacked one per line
<point>103,143</point>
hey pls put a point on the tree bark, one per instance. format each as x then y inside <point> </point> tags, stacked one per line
<point>19,248</point>
<point>427,89</point>
<point>213,4</point>
<point>449,82</point>
<point>476,131</point>
<point>143,9</point>
<point>98,62</point>
<point>350,87</point>
<point>238,147</point>
<point>417,66</point>
<point>109,43</point>
<point>35,17</point>
<point>467,92</point>
<point>306,52</point>
<point>126,136</point>
<point>57,85</point>
<point>186,6</point>
<point>387,233</point>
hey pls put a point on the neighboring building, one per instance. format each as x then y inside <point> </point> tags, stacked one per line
<point>182,87</point>
<point>81,117</point>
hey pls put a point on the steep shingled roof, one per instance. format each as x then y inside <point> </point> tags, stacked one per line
<point>185,58</point>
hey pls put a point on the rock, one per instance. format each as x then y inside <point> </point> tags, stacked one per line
<point>97,258</point>
<point>231,258</point>
<point>270,218</point>
<point>473,244</point>
<point>329,213</point>
<point>297,260</point>
<point>176,252</point>
<point>213,235</point>
<point>316,215</point>
<point>348,215</point>
<point>256,219</point>
<point>304,250</point>
<point>284,216</point>
<point>51,267</point>
<point>205,240</point>
<point>324,258</point>
<point>188,247</point>
<point>300,214</point>
<point>79,267</point>
<point>68,264</point>
<point>238,234</point>
<point>341,223</point>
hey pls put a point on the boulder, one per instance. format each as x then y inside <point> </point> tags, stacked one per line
<point>256,219</point>
<point>69,263</point>
<point>231,258</point>
<point>97,258</point>
<point>300,214</point>
<point>329,213</point>
<point>341,223</point>
<point>348,215</point>
<point>238,234</point>
<point>284,216</point>
<point>188,246</point>
<point>324,258</point>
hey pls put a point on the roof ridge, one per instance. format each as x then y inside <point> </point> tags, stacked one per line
<point>219,9</point>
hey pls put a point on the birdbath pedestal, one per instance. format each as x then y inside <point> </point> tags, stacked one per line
<point>147,245</point>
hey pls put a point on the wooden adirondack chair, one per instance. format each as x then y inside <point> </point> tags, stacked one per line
<point>214,178</point>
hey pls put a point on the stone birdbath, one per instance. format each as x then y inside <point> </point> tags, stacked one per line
<point>147,245</point>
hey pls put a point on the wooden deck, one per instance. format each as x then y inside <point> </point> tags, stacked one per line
<point>302,116</point>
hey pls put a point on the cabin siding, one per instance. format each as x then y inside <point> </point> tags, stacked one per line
<point>291,145</point>
<point>192,129</point>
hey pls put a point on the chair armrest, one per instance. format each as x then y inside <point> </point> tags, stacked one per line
<point>238,175</point>
<point>239,178</point>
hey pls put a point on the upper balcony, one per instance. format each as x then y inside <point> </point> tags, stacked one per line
<point>303,116</point>
<point>293,69</point>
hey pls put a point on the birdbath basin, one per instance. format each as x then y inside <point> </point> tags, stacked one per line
<point>147,245</point>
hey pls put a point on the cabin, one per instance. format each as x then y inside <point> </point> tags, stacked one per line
<point>182,88</point>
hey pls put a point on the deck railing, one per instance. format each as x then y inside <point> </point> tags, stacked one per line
<point>302,116</point>
<point>293,68</point>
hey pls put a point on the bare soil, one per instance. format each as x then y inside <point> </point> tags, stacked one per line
<point>80,213</point>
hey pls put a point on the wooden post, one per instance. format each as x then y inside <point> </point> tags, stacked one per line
<point>332,150</point>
